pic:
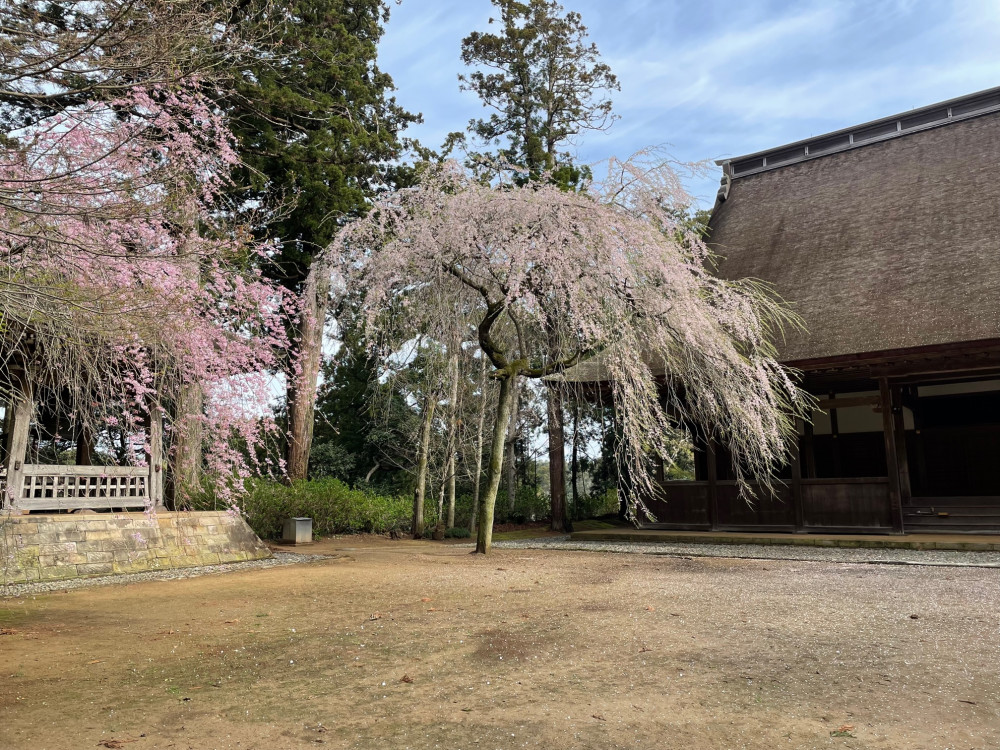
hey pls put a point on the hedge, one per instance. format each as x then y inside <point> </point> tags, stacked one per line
<point>334,507</point>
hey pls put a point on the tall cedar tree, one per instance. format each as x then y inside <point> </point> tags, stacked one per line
<point>545,84</point>
<point>317,131</point>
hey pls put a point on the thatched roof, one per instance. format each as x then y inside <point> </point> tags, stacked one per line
<point>885,236</point>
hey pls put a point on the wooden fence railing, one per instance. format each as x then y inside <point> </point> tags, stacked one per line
<point>72,487</point>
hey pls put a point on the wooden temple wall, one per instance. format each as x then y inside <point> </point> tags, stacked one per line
<point>909,456</point>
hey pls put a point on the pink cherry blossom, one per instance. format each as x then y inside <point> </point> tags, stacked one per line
<point>124,278</point>
<point>609,277</point>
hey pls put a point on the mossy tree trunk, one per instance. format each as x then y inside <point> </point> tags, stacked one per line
<point>484,538</point>
<point>188,442</point>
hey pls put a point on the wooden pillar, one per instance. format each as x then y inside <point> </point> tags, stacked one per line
<point>899,430</point>
<point>17,446</point>
<point>808,452</point>
<point>713,489</point>
<point>155,488</point>
<point>835,440</point>
<point>891,455</point>
<point>796,483</point>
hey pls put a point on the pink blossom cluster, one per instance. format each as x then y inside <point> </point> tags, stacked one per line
<point>124,277</point>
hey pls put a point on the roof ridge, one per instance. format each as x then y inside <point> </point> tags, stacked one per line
<point>875,131</point>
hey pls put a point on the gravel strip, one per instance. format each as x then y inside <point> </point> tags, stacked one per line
<point>280,558</point>
<point>947,558</point>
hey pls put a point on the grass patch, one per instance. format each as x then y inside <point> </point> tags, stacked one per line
<point>510,536</point>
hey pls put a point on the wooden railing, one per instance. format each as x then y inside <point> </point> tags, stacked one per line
<point>72,487</point>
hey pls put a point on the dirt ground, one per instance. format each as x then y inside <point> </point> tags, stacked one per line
<point>421,645</point>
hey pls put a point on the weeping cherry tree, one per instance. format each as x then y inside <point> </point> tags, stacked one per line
<point>613,274</point>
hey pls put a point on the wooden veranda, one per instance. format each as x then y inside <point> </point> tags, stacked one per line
<point>903,477</point>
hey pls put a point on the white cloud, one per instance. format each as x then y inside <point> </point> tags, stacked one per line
<point>722,77</point>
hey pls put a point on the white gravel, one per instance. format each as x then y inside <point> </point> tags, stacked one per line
<point>279,558</point>
<point>947,558</point>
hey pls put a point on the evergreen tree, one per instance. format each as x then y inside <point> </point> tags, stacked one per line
<point>364,427</point>
<point>317,132</point>
<point>544,82</point>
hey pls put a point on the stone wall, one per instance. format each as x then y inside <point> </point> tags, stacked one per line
<point>60,546</point>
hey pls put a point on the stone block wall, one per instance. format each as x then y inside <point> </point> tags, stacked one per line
<point>61,546</point>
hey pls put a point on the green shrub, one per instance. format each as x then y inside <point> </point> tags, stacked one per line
<point>596,505</point>
<point>529,505</point>
<point>457,532</point>
<point>334,507</point>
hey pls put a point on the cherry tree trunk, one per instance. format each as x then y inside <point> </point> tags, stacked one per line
<point>423,456</point>
<point>477,475</point>
<point>484,538</point>
<point>187,441</point>
<point>557,458</point>
<point>511,440</point>
<point>85,446</point>
<point>301,391</point>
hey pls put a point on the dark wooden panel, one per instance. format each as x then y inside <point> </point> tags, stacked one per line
<point>765,510</point>
<point>973,514</point>
<point>862,503</point>
<point>859,454</point>
<point>957,460</point>
<point>965,501</point>
<point>682,504</point>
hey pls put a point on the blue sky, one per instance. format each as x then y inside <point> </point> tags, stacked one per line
<point>717,78</point>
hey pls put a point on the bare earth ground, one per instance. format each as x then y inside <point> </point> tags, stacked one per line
<point>525,648</point>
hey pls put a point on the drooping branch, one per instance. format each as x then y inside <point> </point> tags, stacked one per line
<point>613,270</point>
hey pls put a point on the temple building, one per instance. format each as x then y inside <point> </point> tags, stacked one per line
<point>885,239</point>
